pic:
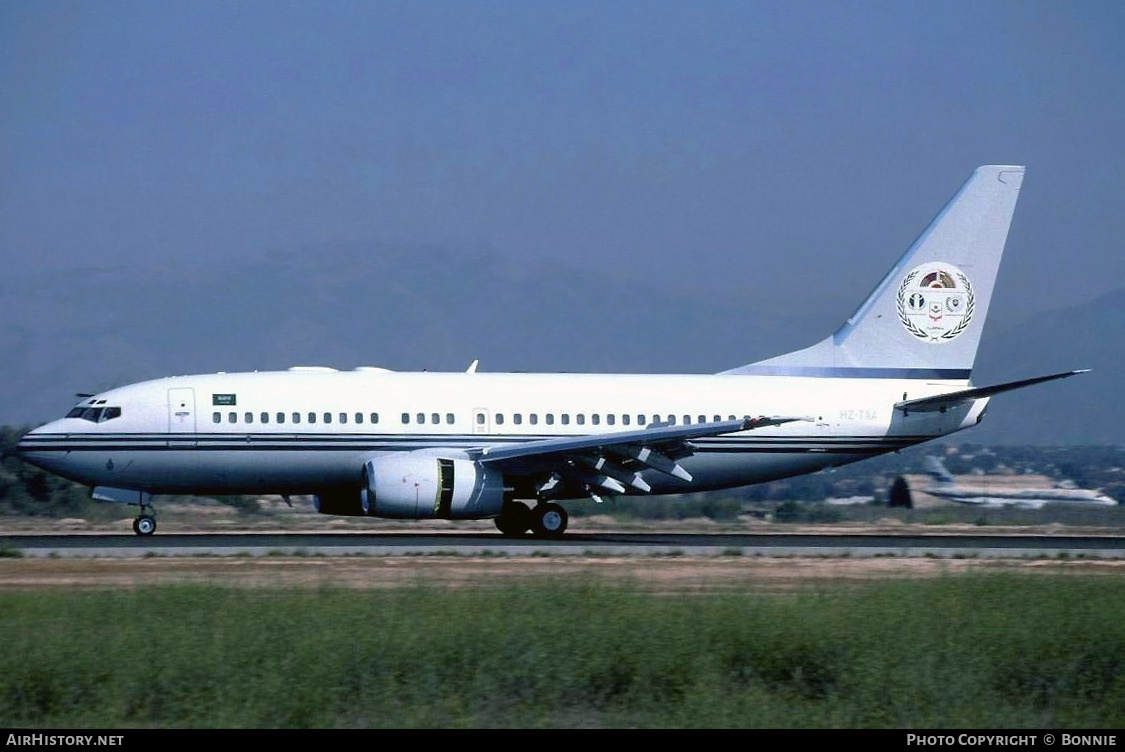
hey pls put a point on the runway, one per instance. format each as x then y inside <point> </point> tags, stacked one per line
<point>942,545</point>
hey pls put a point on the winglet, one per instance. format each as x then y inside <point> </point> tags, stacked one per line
<point>472,367</point>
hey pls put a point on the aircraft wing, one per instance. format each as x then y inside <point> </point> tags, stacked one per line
<point>943,402</point>
<point>612,462</point>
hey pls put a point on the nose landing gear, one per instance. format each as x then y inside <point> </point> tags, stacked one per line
<point>144,524</point>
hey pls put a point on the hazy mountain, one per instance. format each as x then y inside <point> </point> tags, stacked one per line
<point>1085,409</point>
<point>427,308</point>
<point>401,308</point>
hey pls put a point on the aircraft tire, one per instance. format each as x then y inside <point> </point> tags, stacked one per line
<point>144,525</point>
<point>549,520</point>
<point>514,520</point>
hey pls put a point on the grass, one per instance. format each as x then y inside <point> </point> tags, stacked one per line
<point>973,651</point>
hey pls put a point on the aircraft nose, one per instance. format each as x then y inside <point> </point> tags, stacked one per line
<point>30,446</point>
<point>25,442</point>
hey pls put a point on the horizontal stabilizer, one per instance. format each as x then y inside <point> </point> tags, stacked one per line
<point>942,402</point>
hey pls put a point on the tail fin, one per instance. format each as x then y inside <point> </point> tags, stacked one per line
<point>924,320</point>
<point>935,468</point>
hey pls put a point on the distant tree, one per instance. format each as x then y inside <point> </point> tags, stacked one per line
<point>899,495</point>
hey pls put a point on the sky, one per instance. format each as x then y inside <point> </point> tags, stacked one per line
<point>780,152</point>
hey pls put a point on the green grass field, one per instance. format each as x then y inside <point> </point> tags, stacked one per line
<point>972,651</point>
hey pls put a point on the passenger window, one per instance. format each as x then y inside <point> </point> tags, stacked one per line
<point>359,417</point>
<point>534,417</point>
<point>435,418</point>
<point>655,418</point>
<point>328,417</point>
<point>730,417</point>
<point>718,418</point>
<point>566,419</point>
<point>281,417</point>
<point>499,419</point>
<point>702,419</point>
<point>480,419</point>
<point>312,417</point>
<point>374,417</point>
<point>625,419</point>
<point>216,417</point>
<point>611,419</point>
<point>405,418</point>
<point>420,418</point>
<point>296,417</point>
<point>249,417</point>
<point>687,420</point>
<point>640,420</point>
<point>581,418</point>
<point>343,417</point>
<point>550,419</point>
<point>596,419</point>
<point>232,417</point>
<point>517,418</point>
<point>449,418</point>
<point>265,417</point>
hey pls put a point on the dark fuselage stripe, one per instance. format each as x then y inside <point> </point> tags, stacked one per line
<point>181,443</point>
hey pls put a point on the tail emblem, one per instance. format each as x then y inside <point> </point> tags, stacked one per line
<point>935,302</point>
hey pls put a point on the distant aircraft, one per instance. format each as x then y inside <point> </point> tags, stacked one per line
<point>992,492</point>
<point>511,446</point>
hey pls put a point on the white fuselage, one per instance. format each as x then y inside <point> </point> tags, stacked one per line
<point>311,430</point>
<point>1029,498</point>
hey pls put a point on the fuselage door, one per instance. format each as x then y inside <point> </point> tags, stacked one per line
<point>181,410</point>
<point>480,420</point>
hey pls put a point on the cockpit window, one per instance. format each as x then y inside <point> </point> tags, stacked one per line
<point>95,414</point>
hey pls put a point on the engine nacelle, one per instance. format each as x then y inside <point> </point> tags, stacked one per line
<point>349,503</point>
<point>418,486</point>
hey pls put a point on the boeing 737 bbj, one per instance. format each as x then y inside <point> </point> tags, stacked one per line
<point>511,446</point>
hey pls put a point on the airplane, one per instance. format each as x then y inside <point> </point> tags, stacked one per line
<point>511,446</point>
<point>993,492</point>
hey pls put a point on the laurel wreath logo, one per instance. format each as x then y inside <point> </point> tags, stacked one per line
<point>919,332</point>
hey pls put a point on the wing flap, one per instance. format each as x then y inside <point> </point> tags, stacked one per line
<point>612,462</point>
<point>645,437</point>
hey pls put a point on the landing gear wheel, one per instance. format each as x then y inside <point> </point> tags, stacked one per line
<point>144,525</point>
<point>514,520</point>
<point>549,520</point>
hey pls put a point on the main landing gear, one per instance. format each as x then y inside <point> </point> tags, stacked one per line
<point>547,520</point>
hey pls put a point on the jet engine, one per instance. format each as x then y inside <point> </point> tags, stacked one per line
<point>417,486</point>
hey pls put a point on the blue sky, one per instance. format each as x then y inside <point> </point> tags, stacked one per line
<point>783,152</point>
